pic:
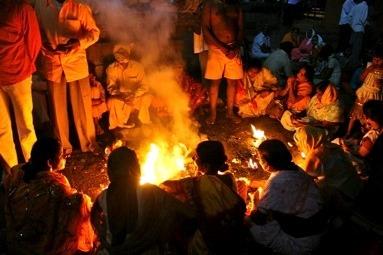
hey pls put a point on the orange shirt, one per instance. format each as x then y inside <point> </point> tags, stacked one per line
<point>20,43</point>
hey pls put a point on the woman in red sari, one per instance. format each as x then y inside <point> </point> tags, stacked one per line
<point>44,214</point>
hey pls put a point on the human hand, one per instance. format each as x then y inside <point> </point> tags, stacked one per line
<point>230,54</point>
<point>72,44</point>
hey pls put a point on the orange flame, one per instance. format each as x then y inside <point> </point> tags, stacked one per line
<point>258,135</point>
<point>163,162</point>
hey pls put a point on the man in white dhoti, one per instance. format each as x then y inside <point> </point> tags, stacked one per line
<point>127,90</point>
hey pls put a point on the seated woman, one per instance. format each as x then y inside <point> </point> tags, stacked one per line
<point>98,102</point>
<point>130,218</point>
<point>373,117</point>
<point>373,191</point>
<point>308,47</point>
<point>256,90</point>
<point>324,110</point>
<point>220,209</point>
<point>372,88</point>
<point>330,165</point>
<point>44,214</point>
<point>288,218</point>
<point>296,95</point>
<point>292,36</point>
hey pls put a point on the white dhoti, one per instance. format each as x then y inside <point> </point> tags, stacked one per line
<point>120,110</point>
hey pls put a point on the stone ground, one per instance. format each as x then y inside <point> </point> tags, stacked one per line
<point>87,172</point>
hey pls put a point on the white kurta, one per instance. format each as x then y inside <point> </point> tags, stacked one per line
<point>59,25</point>
<point>127,82</point>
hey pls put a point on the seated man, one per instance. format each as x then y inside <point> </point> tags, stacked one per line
<point>127,90</point>
<point>261,47</point>
<point>256,90</point>
<point>279,62</point>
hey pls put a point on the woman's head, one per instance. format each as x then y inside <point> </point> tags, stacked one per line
<point>325,52</point>
<point>373,112</point>
<point>46,155</point>
<point>274,155</point>
<point>211,157</point>
<point>48,152</point>
<point>123,165</point>
<point>305,73</point>
<point>253,67</point>
<point>377,57</point>
<point>286,47</point>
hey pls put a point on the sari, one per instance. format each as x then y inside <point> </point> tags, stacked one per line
<point>256,95</point>
<point>328,163</point>
<point>213,198</point>
<point>326,109</point>
<point>46,215</point>
<point>159,214</point>
<point>288,192</point>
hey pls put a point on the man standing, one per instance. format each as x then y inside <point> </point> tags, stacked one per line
<point>358,20</point>
<point>222,26</point>
<point>68,29</point>
<point>20,44</point>
<point>344,25</point>
<point>126,85</point>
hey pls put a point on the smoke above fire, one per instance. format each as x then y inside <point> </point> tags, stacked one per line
<point>150,27</point>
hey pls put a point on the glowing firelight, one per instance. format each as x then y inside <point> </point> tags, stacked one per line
<point>303,155</point>
<point>252,164</point>
<point>290,144</point>
<point>258,135</point>
<point>163,162</point>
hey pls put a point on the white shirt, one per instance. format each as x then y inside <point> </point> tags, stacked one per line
<point>293,2</point>
<point>259,40</point>
<point>346,9</point>
<point>358,17</point>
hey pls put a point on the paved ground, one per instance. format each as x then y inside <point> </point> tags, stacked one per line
<point>86,171</point>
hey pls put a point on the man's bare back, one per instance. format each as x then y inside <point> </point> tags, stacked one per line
<point>222,24</point>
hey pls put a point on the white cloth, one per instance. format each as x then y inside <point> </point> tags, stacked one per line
<point>199,44</point>
<point>259,40</point>
<point>346,9</point>
<point>358,17</point>
<point>293,2</point>
<point>74,20</point>
<point>289,192</point>
<point>17,97</point>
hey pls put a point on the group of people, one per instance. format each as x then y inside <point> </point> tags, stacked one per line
<point>206,213</point>
<point>202,214</point>
<point>52,38</point>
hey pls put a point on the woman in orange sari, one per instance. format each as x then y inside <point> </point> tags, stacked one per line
<point>220,210</point>
<point>44,214</point>
<point>296,95</point>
